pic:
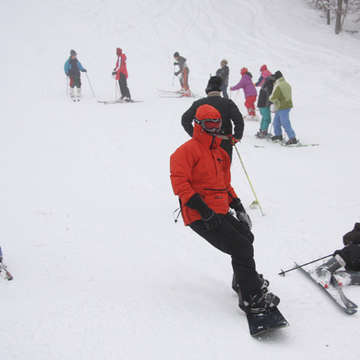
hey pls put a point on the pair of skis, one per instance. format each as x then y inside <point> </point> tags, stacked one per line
<point>334,291</point>
<point>283,143</point>
<point>119,101</point>
<point>3,268</point>
<point>174,94</point>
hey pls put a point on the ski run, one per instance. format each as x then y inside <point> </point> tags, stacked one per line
<point>98,267</point>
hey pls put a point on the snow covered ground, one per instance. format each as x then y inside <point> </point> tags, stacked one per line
<point>101,270</point>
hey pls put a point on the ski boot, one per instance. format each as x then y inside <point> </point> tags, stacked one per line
<point>261,134</point>
<point>326,270</point>
<point>78,97</point>
<point>277,138</point>
<point>292,141</point>
<point>342,278</point>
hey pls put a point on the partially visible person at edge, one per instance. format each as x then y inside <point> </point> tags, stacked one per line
<point>200,177</point>
<point>183,71</point>
<point>223,73</point>
<point>228,110</point>
<point>282,99</point>
<point>250,92</point>
<point>265,73</point>
<point>264,107</point>
<point>72,69</point>
<point>121,74</point>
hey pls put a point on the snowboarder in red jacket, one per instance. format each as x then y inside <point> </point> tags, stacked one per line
<point>121,74</point>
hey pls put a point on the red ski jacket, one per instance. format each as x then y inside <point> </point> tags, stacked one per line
<point>120,66</point>
<point>202,166</point>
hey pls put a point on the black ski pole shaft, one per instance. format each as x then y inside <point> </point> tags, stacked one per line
<point>283,272</point>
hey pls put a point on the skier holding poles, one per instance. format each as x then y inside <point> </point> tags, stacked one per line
<point>121,75</point>
<point>183,71</point>
<point>72,69</point>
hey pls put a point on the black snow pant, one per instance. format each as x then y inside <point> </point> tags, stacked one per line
<point>234,238</point>
<point>125,92</point>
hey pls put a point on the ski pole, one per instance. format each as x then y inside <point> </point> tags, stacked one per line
<point>256,201</point>
<point>283,272</point>
<point>92,89</point>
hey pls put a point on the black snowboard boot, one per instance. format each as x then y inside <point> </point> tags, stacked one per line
<point>260,302</point>
<point>264,283</point>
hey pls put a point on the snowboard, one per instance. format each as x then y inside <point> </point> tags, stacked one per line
<point>263,323</point>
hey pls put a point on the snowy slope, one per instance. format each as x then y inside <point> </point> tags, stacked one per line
<point>101,270</point>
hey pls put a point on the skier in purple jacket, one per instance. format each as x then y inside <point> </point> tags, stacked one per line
<point>250,92</point>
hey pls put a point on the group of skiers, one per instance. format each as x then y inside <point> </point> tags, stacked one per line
<point>73,68</point>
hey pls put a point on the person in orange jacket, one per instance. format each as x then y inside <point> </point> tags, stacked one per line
<point>200,176</point>
<point>121,74</point>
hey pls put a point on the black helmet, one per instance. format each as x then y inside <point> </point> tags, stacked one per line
<point>176,54</point>
<point>214,84</point>
<point>73,53</point>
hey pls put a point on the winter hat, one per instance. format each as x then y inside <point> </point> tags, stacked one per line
<point>243,71</point>
<point>118,51</point>
<point>353,236</point>
<point>278,75</point>
<point>214,84</point>
<point>263,68</point>
<point>176,54</point>
<point>208,118</point>
<point>73,52</point>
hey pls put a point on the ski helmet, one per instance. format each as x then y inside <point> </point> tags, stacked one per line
<point>73,52</point>
<point>243,71</point>
<point>176,54</point>
<point>209,119</point>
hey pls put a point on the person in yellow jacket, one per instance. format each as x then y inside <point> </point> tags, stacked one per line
<point>282,100</point>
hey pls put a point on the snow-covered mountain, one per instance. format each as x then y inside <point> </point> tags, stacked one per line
<point>101,270</point>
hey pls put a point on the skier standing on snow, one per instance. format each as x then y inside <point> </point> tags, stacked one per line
<point>264,74</point>
<point>183,71</point>
<point>264,107</point>
<point>281,97</point>
<point>223,73</point>
<point>121,74</point>
<point>347,257</point>
<point>72,69</point>
<point>200,176</point>
<point>250,92</point>
<point>228,110</point>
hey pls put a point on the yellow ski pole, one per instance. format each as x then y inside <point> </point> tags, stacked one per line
<point>256,201</point>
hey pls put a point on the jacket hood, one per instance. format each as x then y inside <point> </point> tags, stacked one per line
<point>210,141</point>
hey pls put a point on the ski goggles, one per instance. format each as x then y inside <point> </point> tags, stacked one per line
<point>211,126</point>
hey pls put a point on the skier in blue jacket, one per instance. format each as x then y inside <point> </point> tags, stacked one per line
<point>72,69</point>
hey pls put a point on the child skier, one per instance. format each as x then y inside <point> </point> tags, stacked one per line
<point>347,257</point>
<point>72,69</point>
<point>121,74</point>
<point>250,92</point>
<point>183,72</point>
<point>264,107</point>
<point>223,73</point>
<point>265,73</point>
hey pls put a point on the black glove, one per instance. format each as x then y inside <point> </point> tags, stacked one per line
<point>209,217</point>
<point>212,222</point>
<point>113,73</point>
<point>241,214</point>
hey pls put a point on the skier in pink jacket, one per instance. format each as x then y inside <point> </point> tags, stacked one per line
<point>250,92</point>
